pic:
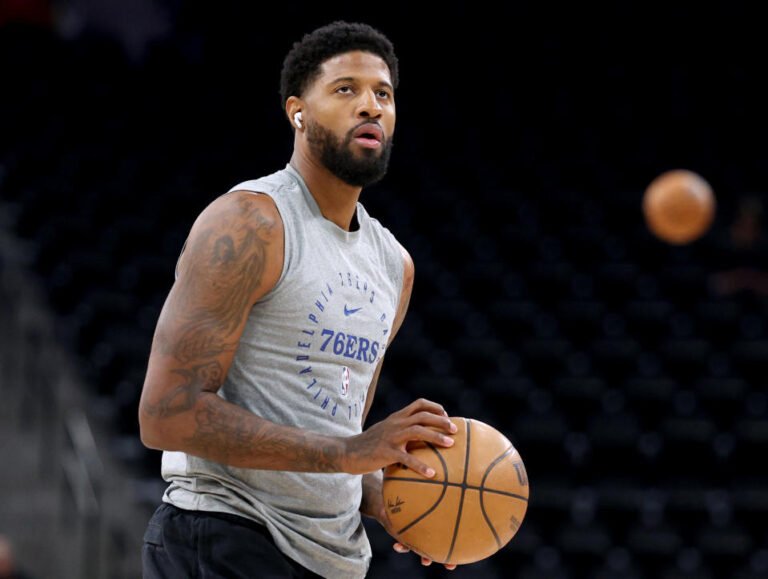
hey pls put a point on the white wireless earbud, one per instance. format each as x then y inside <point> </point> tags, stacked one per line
<point>297,119</point>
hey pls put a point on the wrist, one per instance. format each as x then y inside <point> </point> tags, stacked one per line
<point>372,503</point>
<point>348,463</point>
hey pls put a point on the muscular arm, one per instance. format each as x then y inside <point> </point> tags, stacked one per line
<point>402,309</point>
<point>372,504</point>
<point>233,257</point>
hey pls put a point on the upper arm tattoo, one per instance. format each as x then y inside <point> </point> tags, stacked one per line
<point>194,380</point>
<point>226,266</point>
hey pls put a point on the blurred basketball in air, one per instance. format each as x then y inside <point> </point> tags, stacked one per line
<point>679,206</point>
<point>474,504</point>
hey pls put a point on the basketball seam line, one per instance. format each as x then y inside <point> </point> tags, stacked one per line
<point>463,490</point>
<point>440,498</point>
<point>461,485</point>
<point>482,484</point>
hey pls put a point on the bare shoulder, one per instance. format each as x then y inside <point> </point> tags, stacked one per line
<point>238,209</point>
<point>238,235</point>
<point>407,289</point>
<point>409,270</point>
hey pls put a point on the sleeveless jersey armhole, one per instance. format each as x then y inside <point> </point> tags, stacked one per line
<point>286,244</point>
<point>286,247</point>
<point>178,259</point>
<point>400,270</point>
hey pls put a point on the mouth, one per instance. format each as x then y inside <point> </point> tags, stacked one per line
<point>368,135</point>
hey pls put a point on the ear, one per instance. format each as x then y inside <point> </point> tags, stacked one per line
<point>292,106</point>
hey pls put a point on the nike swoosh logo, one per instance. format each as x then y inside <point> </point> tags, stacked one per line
<point>348,312</point>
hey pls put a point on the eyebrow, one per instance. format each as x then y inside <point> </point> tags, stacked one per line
<point>353,79</point>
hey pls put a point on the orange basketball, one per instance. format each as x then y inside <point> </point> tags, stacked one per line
<point>471,508</point>
<point>679,206</point>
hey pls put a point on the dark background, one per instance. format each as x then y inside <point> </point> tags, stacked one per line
<point>629,376</point>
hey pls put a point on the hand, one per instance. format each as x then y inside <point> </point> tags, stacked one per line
<point>400,548</point>
<point>385,442</point>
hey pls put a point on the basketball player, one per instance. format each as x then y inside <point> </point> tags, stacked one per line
<point>266,354</point>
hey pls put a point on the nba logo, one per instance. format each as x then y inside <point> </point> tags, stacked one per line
<point>344,380</point>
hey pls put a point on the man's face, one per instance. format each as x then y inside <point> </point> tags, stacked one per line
<point>352,120</point>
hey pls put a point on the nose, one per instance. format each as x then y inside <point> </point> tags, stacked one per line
<point>369,106</point>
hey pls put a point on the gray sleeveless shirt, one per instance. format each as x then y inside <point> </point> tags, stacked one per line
<point>305,359</point>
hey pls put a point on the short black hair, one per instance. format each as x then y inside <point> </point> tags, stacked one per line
<point>302,63</point>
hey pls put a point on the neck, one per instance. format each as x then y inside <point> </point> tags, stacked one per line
<point>336,199</point>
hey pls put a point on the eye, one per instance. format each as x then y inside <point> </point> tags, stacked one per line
<point>346,89</point>
<point>383,94</point>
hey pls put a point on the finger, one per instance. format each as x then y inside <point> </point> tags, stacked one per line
<point>426,562</point>
<point>417,432</point>
<point>429,419</point>
<point>416,465</point>
<point>400,548</point>
<point>427,405</point>
<point>450,567</point>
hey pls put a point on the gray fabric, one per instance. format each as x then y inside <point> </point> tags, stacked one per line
<point>306,359</point>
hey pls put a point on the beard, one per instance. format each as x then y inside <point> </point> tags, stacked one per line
<point>337,156</point>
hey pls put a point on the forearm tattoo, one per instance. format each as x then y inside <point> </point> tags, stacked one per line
<point>228,432</point>
<point>210,304</point>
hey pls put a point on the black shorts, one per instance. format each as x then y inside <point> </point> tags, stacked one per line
<point>181,544</point>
